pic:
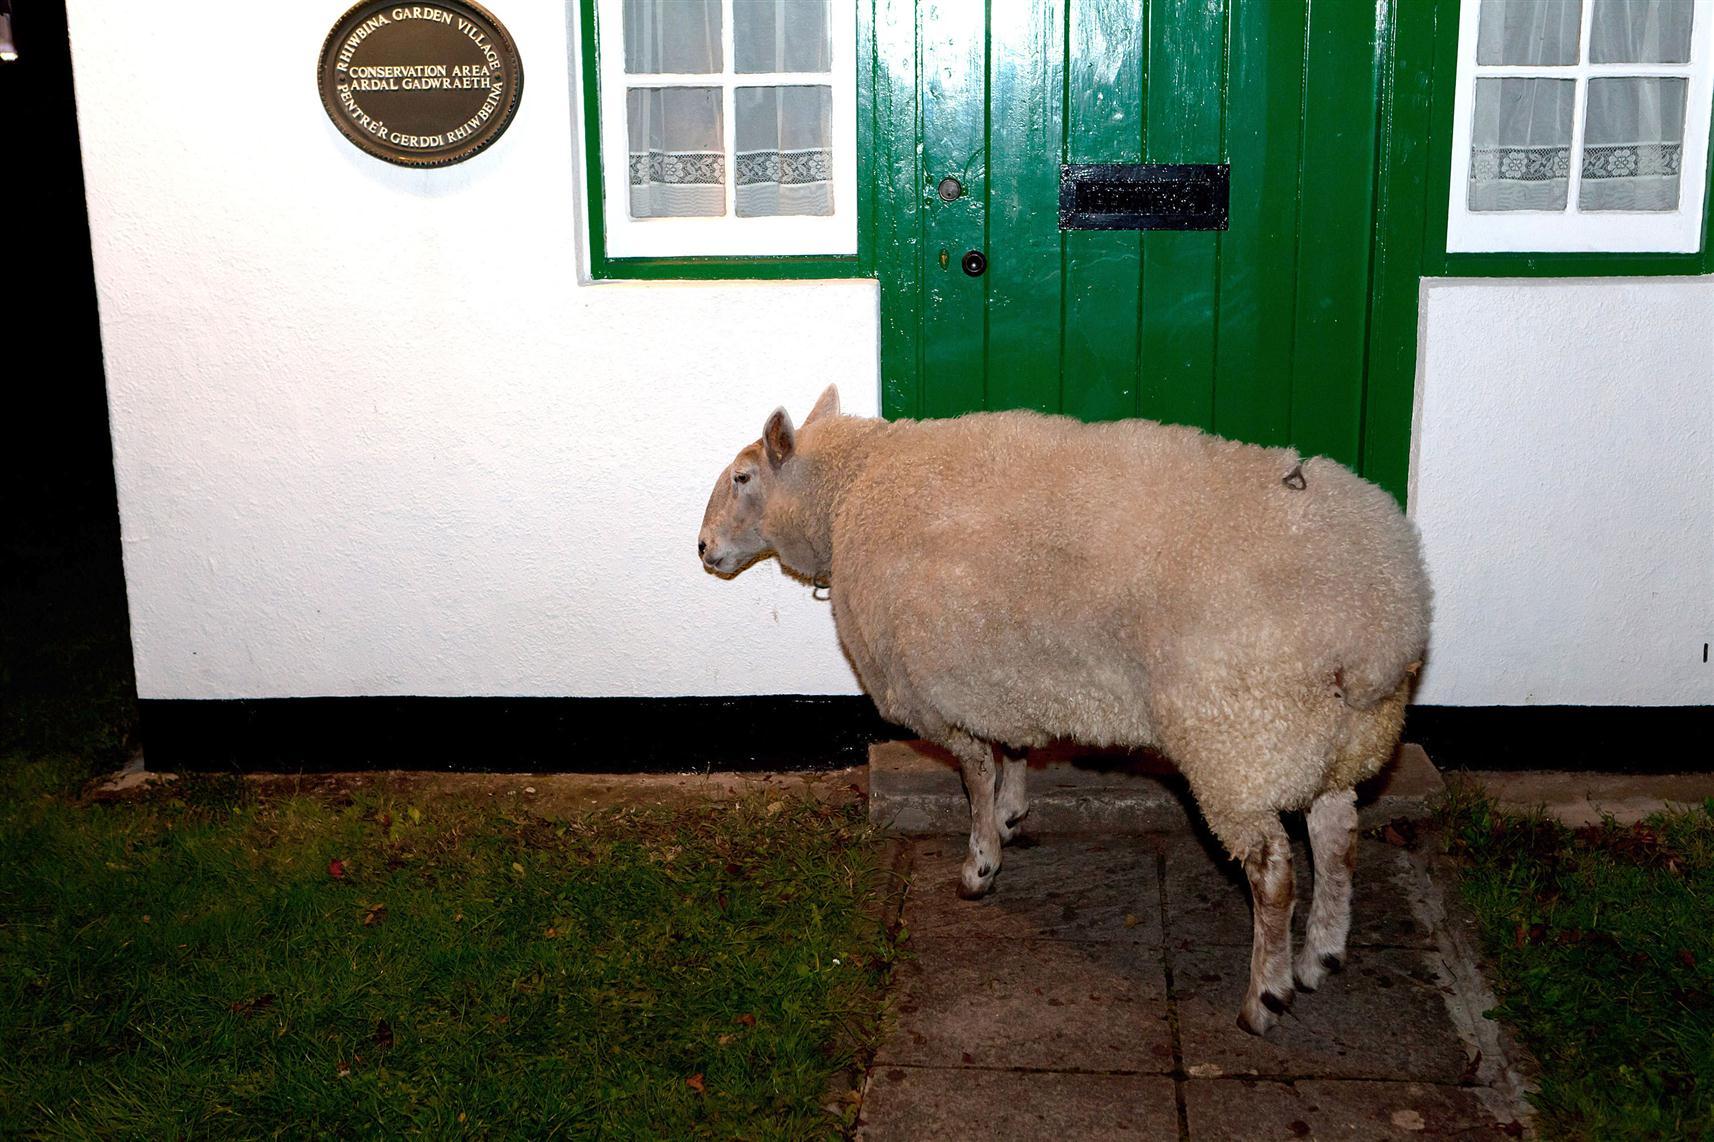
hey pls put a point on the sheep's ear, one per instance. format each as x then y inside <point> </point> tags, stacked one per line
<point>826,405</point>
<point>778,439</point>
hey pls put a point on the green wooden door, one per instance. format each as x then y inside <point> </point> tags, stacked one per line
<point>1263,332</point>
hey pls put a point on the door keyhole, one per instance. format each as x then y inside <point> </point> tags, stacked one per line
<point>950,188</point>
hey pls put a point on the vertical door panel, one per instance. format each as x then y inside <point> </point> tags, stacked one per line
<point>1103,268</point>
<point>1334,224</point>
<point>1186,93</point>
<point>953,38</point>
<point>1258,254</point>
<point>1026,135</point>
<point>898,206</point>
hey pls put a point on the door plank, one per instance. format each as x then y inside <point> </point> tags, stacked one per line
<point>898,207</point>
<point>1400,215</point>
<point>1333,270</point>
<point>1186,84</point>
<point>953,43</point>
<point>1258,255</point>
<point>1025,140</point>
<point>1103,287</point>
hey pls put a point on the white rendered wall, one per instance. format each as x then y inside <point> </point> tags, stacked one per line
<point>1564,485</point>
<point>370,434</point>
<point>372,437</point>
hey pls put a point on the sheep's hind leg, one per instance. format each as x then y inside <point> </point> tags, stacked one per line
<point>1259,841</point>
<point>1013,803</point>
<point>976,760</point>
<point>1332,822</point>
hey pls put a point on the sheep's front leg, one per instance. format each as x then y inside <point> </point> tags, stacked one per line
<point>1259,841</point>
<point>1332,819</point>
<point>1013,803</point>
<point>976,760</point>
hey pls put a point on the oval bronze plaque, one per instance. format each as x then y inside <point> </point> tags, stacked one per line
<point>421,85</point>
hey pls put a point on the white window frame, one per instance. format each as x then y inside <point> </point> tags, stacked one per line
<point>727,235</point>
<point>1572,230</point>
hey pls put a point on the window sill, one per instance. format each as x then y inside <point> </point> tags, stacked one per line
<point>728,269</point>
<point>1565,265</point>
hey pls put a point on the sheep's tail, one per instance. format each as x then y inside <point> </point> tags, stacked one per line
<point>1362,691</point>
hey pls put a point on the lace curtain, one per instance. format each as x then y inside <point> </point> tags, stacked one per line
<point>783,132</point>
<point>1522,131</point>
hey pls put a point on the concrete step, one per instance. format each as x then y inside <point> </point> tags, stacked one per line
<point>914,787</point>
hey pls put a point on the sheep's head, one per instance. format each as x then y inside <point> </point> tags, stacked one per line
<point>733,534</point>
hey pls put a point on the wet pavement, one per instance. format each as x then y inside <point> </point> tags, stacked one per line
<point>1094,994</point>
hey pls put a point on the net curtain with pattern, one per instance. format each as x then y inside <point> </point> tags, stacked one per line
<point>783,144</point>
<point>1522,132</point>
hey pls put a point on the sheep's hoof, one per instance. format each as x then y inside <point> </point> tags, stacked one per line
<point>1303,985</point>
<point>1333,963</point>
<point>1276,1002</point>
<point>1256,1021</point>
<point>972,889</point>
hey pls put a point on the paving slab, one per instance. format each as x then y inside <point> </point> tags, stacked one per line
<point>909,1104</point>
<point>1208,899</point>
<point>1045,1004</point>
<point>1078,888</point>
<point>915,788</point>
<point>1240,1110</point>
<point>1383,1017</point>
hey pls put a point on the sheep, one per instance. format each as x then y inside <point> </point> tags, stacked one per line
<point>1001,580</point>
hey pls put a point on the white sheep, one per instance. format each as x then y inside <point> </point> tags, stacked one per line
<point>1007,579</point>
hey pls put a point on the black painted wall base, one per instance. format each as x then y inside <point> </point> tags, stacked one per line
<point>1593,739</point>
<point>518,735</point>
<point>786,732</point>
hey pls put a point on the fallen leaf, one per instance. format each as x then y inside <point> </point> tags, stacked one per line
<point>249,1007</point>
<point>695,1083</point>
<point>1130,919</point>
<point>746,1019</point>
<point>551,933</point>
<point>376,914</point>
<point>336,869</point>
<point>383,1034</point>
<point>517,868</point>
<point>415,814</point>
<point>1687,957</point>
<point>725,1039</point>
<point>342,1068</point>
<point>384,820</point>
<point>1408,1120</point>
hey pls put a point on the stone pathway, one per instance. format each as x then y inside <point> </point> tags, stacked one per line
<point>1094,994</point>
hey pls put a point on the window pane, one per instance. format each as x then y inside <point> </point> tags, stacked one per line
<point>1520,144</point>
<point>781,35</point>
<point>678,152</point>
<point>1640,31</point>
<point>1528,31</point>
<point>672,36</point>
<point>1633,144</point>
<point>785,151</point>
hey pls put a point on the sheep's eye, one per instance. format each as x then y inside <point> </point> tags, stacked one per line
<point>740,477</point>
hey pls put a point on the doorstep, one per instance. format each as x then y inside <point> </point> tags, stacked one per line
<point>914,787</point>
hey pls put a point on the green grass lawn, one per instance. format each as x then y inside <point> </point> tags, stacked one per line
<point>203,962</point>
<point>209,962</point>
<point>1602,940</point>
